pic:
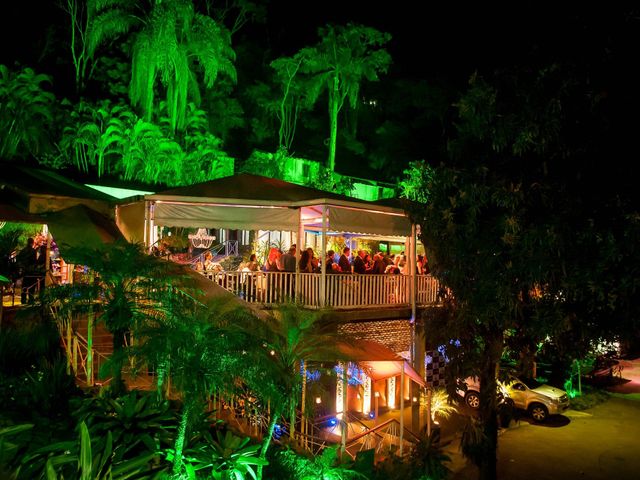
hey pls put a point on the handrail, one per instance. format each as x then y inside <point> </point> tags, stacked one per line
<point>341,290</point>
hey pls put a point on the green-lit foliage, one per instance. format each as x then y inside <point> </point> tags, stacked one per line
<point>93,23</point>
<point>10,445</point>
<point>87,457</point>
<point>229,457</point>
<point>172,40</point>
<point>344,58</point>
<point>26,113</point>
<point>414,185</point>
<point>282,343</point>
<point>427,459</point>
<point>291,97</point>
<point>332,182</point>
<point>326,466</point>
<point>267,164</point>
<point>191,345</point>
<point>110,138</point>
<point>138,423</point>
<point>129,292</point>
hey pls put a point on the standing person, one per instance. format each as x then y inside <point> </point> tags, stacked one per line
<point>345,266</point>
<point>252,264</point>
<point>288,264</point>
<point>314,260</point>
<point>358,263</point>
<point>330,265</point>
<point>305,262</point>
<point>378,264</point>
<point>27,260</point>
<point>289,260</point>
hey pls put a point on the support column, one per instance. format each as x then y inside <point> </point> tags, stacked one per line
<point>147,219</point>
<point>299,247</point>
<point>401,407</point>
<point>345,403</point>
<point>323,259</point>
<point>417,342</point>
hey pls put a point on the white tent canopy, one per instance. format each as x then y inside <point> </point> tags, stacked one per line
<point>251,202</point>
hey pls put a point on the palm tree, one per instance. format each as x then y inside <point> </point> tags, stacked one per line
<point>343,58</point>
<point>173,38</point>
<point>26,112</point>
<point>94,23</point>
<point>191,346</point>
<point>130,290</point>
<point>273,369</point>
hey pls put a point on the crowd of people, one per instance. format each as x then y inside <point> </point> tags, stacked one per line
<point>361,263</point>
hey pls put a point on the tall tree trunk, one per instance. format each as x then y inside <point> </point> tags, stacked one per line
<point>181,436</point>
<point>489,405</point>
<point>117,384</point>
<point>266,441</point>
<point>334,100</point>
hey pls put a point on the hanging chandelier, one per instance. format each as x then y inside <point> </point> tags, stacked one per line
<point>201,239</point>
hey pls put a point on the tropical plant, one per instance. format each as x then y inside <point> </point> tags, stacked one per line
<point>173,38</point>
<point>93,23</point>
<point>326,466</point>
<point>190,346</point>
<point>10,446</point>
<point>427,459</point>
<point>139,423</point>
<point>26,113</point>
<point>84,458</point>
<point>129,291</point>
<point>229,457</point>
<point>283,343</point>
<point>291,98</point>
<point>344,58</point>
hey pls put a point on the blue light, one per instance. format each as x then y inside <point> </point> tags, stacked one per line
<point>372,414</point>
<point>333,422</point>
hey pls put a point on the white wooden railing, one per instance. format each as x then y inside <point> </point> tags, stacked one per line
<point>341,290</point>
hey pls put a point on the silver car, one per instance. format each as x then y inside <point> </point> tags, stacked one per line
<point>538,399</point>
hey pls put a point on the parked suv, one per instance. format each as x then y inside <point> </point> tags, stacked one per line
<point>538,399</point>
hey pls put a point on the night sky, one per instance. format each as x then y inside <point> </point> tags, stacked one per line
<point>446,40</point>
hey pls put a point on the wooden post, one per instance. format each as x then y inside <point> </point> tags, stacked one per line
<point>74,355</point>
<point>147,218</point>
<point>401,406</point>
<point>303,402</point>
<point>323,259</point>
<point>69,348</point>
<point>90,347</point>
<point>299,247</point>
<point>429,394</point>
<point>345,404</point>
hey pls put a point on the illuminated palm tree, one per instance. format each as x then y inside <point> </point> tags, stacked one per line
<point>273,371</point>
<point>130,290</point>
<point>26,112</point>
<point>191,346</point>
<point>339,63</point>
<point>172,40</point>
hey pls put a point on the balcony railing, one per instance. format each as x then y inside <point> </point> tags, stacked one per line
<point>341,290</point>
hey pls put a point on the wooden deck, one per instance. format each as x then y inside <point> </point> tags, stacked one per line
<point>340,291</point>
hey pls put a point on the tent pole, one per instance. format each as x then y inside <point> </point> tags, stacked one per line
<point>345,403</point>
<point>300,246</point>
<point>147,215</point>
<point>401,406</point>
<point>323,259</point>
